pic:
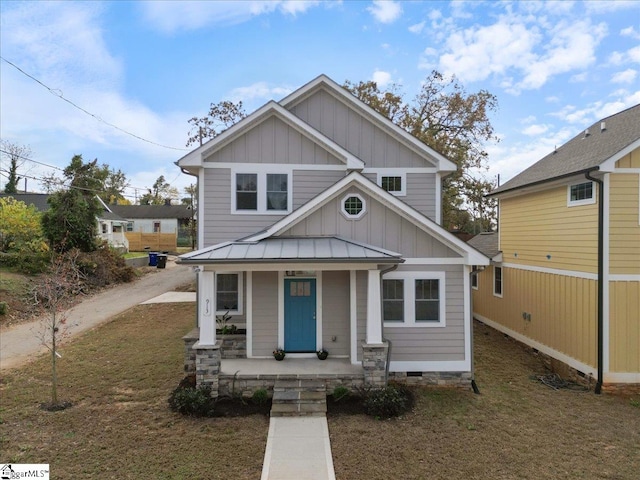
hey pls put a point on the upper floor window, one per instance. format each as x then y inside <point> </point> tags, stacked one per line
<point>261,192</point>
<point>580,194</point>
<point>353,206</point>
<point>394,183</point>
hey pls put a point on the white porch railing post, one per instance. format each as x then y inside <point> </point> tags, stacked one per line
<point>207,307</point>
<point>374,306</point>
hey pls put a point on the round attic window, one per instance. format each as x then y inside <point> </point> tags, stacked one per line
<point>353,206</point>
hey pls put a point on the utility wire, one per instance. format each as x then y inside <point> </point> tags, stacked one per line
<point>58,93</point>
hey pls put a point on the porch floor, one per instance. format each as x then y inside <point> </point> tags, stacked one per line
<point>289,367</point>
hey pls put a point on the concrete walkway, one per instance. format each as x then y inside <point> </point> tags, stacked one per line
<point>298,448</point>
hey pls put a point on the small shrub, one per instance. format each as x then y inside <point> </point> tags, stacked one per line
<point>387,402</point>
<point>340,392</point>
<point>4,308</point>
<point>192,401</point>
<point>260,397</point>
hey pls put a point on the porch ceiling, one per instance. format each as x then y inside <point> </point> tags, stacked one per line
<point>292,250</point>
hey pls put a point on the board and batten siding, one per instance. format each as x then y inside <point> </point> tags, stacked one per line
<point>335,312</point>
<point>437,343</point>
<point>356,133</point>
<point>624,327</point>
<point>538,224</point>
<point>265,313</point>
<point>624,223</point>
<point>273,141</point>
<point>308,184</point>
<point>563,309</point>
<point>631,160</point>
<point>379,226</point>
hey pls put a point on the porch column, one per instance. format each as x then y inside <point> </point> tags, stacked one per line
<point>374,315</point>
<point>206,308</point>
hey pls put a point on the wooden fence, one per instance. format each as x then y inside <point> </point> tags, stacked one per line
<point>157,242</point>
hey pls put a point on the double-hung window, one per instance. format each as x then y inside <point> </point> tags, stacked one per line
<point>229,293</point>
<point>261,192</point>
<point>414,299</point>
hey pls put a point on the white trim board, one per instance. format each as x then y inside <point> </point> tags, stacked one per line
<point>552,271</point>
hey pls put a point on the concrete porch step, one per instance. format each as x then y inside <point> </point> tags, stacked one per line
<point>295,398</point>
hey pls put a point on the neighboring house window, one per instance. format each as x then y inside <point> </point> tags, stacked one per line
<point>353,206</point>
<point>229,293</point>
<point>393,300</point>
<point>580,194</point>
<point>497,281</point>
<point>393,183</point>
<point>129,226</point>
<point>414,299</point>
<point>104,228</point>
<point>156,227</point>
<point>474,277</point>
<point>261,192</point>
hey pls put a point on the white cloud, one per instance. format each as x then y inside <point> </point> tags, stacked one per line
<point>535,130</point>
<point>170,16</point>
<point>633,54</point>
<point>578,78</point>
<point>258,91</point>
<point>627,76</point>
<point>607,6</point>
<point>630,32</point>
<point>381,78</point>
<point>417,28</point>
<point>385,11</point>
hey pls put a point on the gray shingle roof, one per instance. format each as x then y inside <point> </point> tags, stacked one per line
<point>38,200</point>
<point>152,211</point>
<point>583,152</point>
<point>486,242</point>
<point>292,249</point>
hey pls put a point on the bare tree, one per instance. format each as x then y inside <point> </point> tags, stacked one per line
<point>17,156</point>
<point>53,294</point>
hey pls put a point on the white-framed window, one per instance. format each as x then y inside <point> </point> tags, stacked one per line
<point>261,192</point>
<point>414,299</point>
<point>583,193</point>
<point>353,206</point>
<point>475,281</point>
<point>229,293</point>
<point>129,226</point>
<point>497,281</point>
<point>156,227</point>
<point>104,228</point>
<point>394,183</point>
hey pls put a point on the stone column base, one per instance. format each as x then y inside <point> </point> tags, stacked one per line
<point>208,359</point>
<point>189,353</point>
<point>374,362</point>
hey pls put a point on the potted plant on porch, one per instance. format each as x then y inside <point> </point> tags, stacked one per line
<point>322,354</point>
<point>279,354</point>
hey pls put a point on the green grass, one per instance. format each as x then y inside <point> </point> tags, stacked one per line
<point>134,255</point>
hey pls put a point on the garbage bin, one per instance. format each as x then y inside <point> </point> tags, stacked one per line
<point>162,260</point>
<point>153,259</point>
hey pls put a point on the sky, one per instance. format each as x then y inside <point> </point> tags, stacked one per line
<point>118,81</point>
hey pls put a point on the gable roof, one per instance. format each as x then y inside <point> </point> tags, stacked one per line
<point>486,242</point>
<point>38,200</point>
<point>326,83</point>
<point>180,212</point>
<point>268,110</point>
<point>596,148</point>
<point>471,255</point>
<point>330,249</point>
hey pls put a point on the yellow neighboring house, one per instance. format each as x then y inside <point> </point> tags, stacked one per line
<point>565,272</point>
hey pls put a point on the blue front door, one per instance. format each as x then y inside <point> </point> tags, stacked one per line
<point>300,315</point>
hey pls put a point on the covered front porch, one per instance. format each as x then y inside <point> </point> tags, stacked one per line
<point>326,290</point>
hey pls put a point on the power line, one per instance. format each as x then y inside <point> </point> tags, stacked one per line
<point>58,93</point>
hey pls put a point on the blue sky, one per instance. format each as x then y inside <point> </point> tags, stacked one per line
<point>147,67</point>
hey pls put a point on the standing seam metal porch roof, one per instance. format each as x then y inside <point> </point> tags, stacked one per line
<point>292,250</point>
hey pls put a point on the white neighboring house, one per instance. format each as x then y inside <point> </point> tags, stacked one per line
<point>165,218</point>
<point>111,227</point>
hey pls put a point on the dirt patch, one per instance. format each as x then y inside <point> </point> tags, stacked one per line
<point>14,290</point>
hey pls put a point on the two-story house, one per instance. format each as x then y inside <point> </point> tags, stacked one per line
<point>320,226</point>
<point>565,271</point>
